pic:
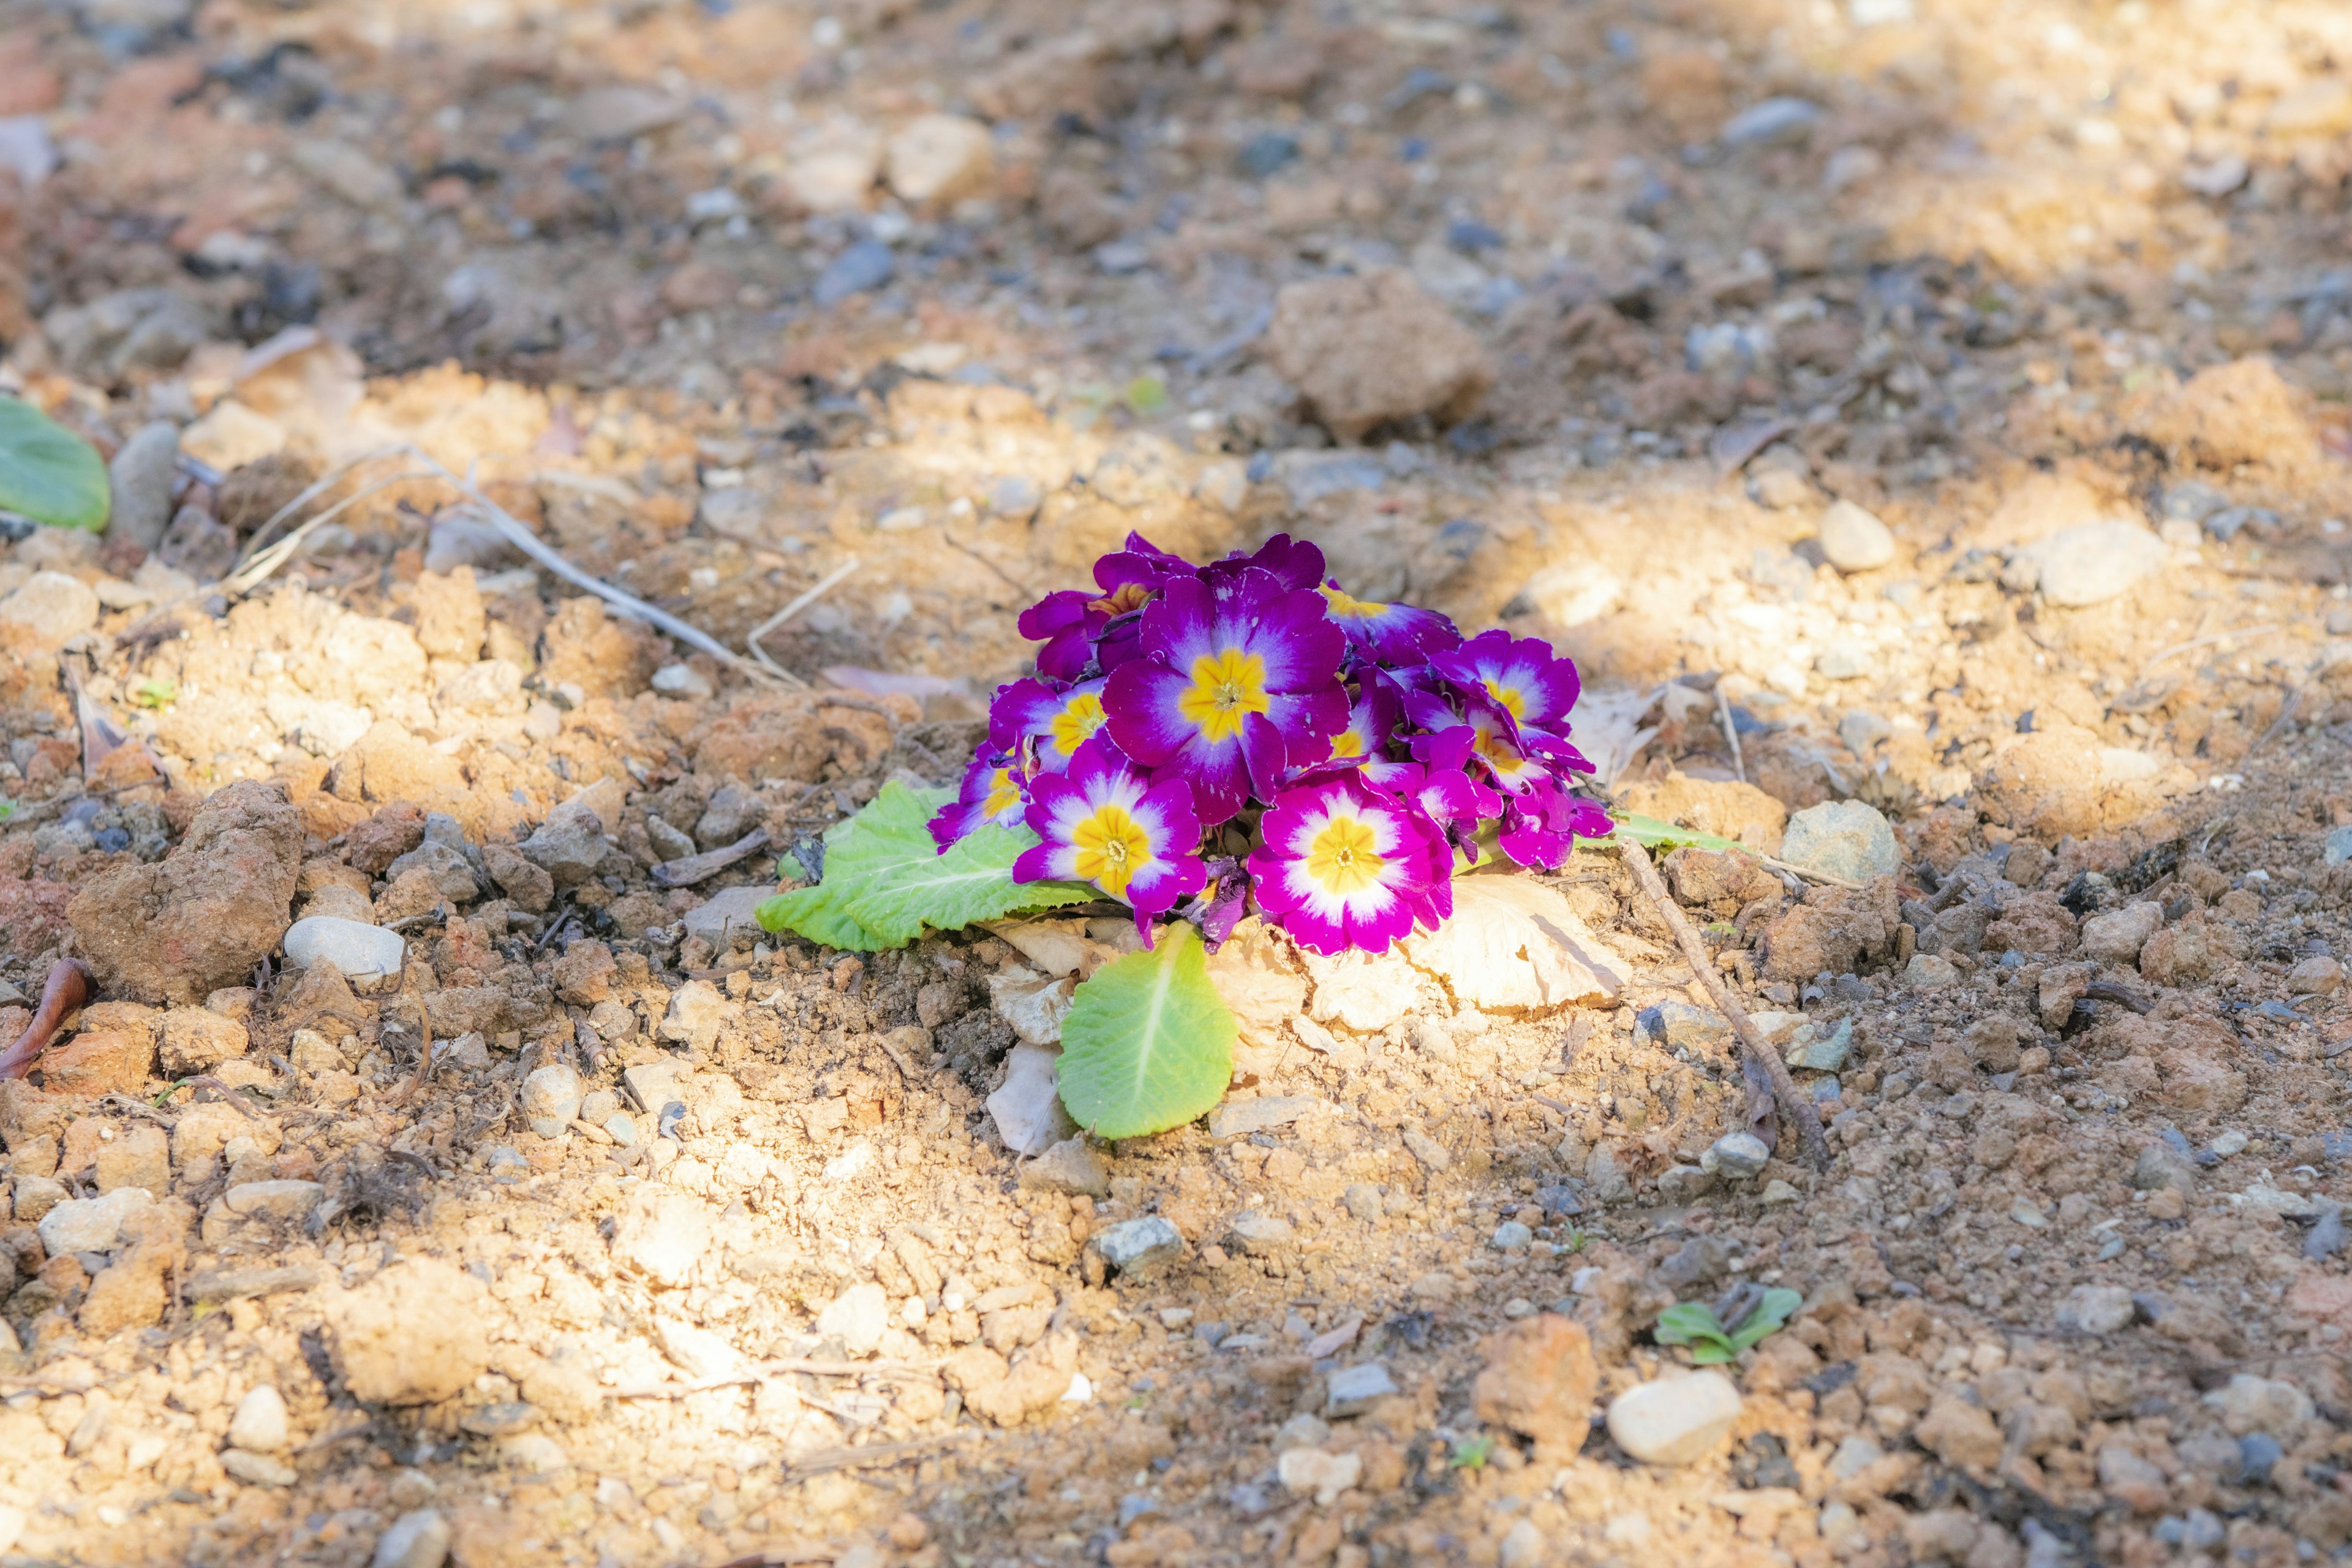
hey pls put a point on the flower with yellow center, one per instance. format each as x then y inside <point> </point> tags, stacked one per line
<point>1513,701</point>
<point>1343,858</point>
<point>1350,608</point>
<point>1003,795</point>
<point>1347,743</point>
<point>1112,847</point>
<point>1226,688</point>
<point>1075,725</point>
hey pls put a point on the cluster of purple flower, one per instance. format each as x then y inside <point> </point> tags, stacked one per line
<point>1368,744</point>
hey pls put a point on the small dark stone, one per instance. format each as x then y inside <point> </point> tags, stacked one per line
<point>1264,153</point>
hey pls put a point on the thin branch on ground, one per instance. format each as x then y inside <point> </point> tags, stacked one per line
<point>1730,731</point>
<point>807,596</point>
<point>1793,1103</point>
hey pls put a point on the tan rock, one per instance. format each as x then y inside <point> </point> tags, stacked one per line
<point>197,1039</point>
<point>2243,412</point>
<point>941,158</point>
<point>415,1334</point>
<point>1372,348</point>
<point>99,1062</point>
<point>1539,1380</point>
<point>1959,1434</point>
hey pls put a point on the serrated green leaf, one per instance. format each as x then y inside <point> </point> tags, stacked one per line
<point>1147,1044</point>
<point>1652,833</point>
<point>885,882</point>
<point>47,473</point>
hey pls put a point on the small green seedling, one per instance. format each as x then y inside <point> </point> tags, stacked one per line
<point>1694,1323</point>
<point>1574,1238</point>
<point>1471,1453</point>
<point>156,694</point>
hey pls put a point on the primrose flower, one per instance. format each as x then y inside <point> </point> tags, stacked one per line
<point>1394,634</point>
<point>1492,741</point>
<point>1079,628</point>
<point>1237,683</point>
<point>1521,675</point>
<point>1541,826</point>
<point>1060,719</point>
<point>1373,721</point>
<point>994,794</point>
<point>1343,866</point>
<point>1103,822</point>
<point>1294,562</point>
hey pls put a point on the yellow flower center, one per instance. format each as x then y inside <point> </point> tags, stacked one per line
<point>1513,701</point>
<point>1350,608</point>
<point>1226,689</point>
<point>1112,847</point>
<point>1342,859</point>
<point>1347,743</point>
<point>1076,722</point>
<point>1003,794</point>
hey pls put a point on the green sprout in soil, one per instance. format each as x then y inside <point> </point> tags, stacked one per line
<point>156,694</point>
<point>1471,1453</point>
<point>1694,1323</point>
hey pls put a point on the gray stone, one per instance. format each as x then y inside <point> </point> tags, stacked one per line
<point>1240,1118</point>
<point>359,949</point>
<point>862,267</point>
<point>453,879</point>
<point>1815,1047</point>
<point>260,1425</point>
<point>1069,1166</point>
<point>1929,971</point>
<point>1844,839</point>
<point>655,1084</point>
<point>1678,1025</point>
<point>2339,846</point>
<point>1845,659</point>
<point>53,606</point>
<point>550,1099</point>
<point>1260,1235</point>
<point>140,480</point>
<point>569,846</point>
<point>1685,1183</point>
<point>2097,1308</point>
<point>1854,540</point>
<point>1737,1156</point>
<point>1861,730</point>
<point>35,1196</point>
<point>418,1539</point>
<point>727,914</point>
<point>1854,1456</point>
<point>1774,123</point>
<point>1353,1389</point>
<point>1140,1248</point>
<point>2089,564</point>
<point>1676,1420</point>
<point>1511,1236</point>
<point>503,1419</point>
<point>91,1224</point>
<point>2158,1167</point>
<point>1364,1200</point>
<point>2116,938</point>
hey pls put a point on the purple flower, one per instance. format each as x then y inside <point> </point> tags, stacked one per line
<point>1343,866</point>
<point>1533,685</point>
<point>1059,621</point>
<point>1394,634</point>
<point>994,791</point>
<point>1237,683</point>
<point>1373,721</point>
<point>1540,826</point>
<point>1103,823</point>
<point>1294,562</point>
<point>1440,787</point>
<point>1079,628</point>
<point>1485,734</point>
<point>1060,719</point>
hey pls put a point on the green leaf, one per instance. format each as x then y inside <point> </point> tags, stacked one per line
<point>886,882</point>
<point>1472,1453</point>
<point>1147,1044</point>
<point>47,473</point>
<point>1693,1323</point>
<point>1770,1315</point>
<point>1652,833</point>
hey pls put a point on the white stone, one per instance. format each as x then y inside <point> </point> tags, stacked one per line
<point>941,158</point>
<point>858,1317</point>
<point>2117,938</point>
<point>1326,1474</point>
<point>418,1539</point>
<point>257,1470</point>
<point>1675,1421</point>
<point>1027,1106</point>
<point>707,1357</point>
<point>2091,563</point>
<point>1737,1156</point>
<point>1844,839</point>
<point>91,1224</point>
<point>231,436</point>
<point>2248,1404</point>
<point>1516,943</point>
<point>832,166</point>
<point>358,950</point>
<point>550,1099</point>
<point>53,606</point>
<point>1854,540</point>
<point>260,1425</point>
<point>680,680</point>
<point>2097,1308</point>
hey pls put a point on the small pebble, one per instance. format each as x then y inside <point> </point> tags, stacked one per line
<point>1676,1420</point>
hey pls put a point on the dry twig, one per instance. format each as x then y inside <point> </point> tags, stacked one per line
<point>1753,1046</point>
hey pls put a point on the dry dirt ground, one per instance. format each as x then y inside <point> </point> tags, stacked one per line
<point>1572,318</point>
